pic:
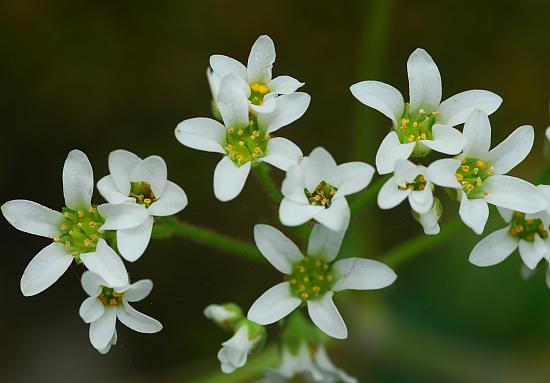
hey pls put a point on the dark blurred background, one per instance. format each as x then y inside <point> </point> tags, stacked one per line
<point>105,75</point>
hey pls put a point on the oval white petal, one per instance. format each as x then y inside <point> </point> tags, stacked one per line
<point>493,249</point>
<point>78,181</point>
<point>202,134</point>
<point>33,218</point>
<point>514,193</point>
<point>390,151</point>
<point>138,291</point>
<point>325,315</point>
<point>354,177</point>
<point>424,81</point>
<point>445,140</point>
<point>133,242</point>
<point>107,188</point>
<point>229,179</point>
<point>456,109</point>
<point>121,164</point>
<point>443,173</point>
<point>290,107</point>
<point>122,216</point>
<point>513,150</point>
<point>477,131</point>
<point>273,305</point>
<point>172,201</point>
<point>362,274</point>
<point>136,320</point>
<point>474,213</point>
<point>91,310</point>
<point>260,60</point>
<point>103,329</point>
<point>284,85</point>
<point>382,97</point>
<point>280,251</point>
<point>224,65</point>
<point>282,153</point>
<point>294,214</point>
<point>152,170</point>
<point>107,264</point>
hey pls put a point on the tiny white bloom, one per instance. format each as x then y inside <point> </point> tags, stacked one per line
<point>246,138</point>
<point>106,304</point>
<point>313,279</point>
<point>234,352</point>
<point>415,183</point>
<point>77,232</point>
<point>425,122</point>
<point>482,173</point>
<point>226,316</point>
<point>144,184</point>
<point>256,78</point>
<point>429,220</point>
<point>316,189</point>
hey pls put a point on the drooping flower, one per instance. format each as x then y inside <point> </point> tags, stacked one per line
<point>313,279</point>
<point>316,189</point>
<point>78,232</point>
<point>226,316</point>
<point>248,338</point>
<point>482,173</point>
<point>142,183</point>
<point>424,123</point>
<point>429,220</point>
<point>260,88</point>
<point>246,138</point>
<point>106,304</point>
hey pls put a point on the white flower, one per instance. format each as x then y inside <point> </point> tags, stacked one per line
<point>313,279</point>
<point>106,304</point>
<point>425,122</point>
<point>255,79</point>
<point>482,173</point>
<point>77,232</point>
<point>245,138</point>
<point>143,184</point>
<point>316,189</point>
<point>224,315</point>
<point>429,220</point>
<point>234,352</point>
<point>415,183</point>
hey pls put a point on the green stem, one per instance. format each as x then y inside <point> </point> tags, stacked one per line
<point>262,173</point>
<point>368,195</point>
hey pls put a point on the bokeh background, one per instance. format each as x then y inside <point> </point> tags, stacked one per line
<point>105,75</point>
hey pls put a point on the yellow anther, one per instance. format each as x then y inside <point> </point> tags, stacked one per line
<point>79,224</point>
<point>490,171</point>
<point>301,269</point>
<point>415,124</point>
<point>260,88</point>
<point>304,295</point>
<point>56,238</point>
<point>410,187</point>
<point>421,111</point>
<point>267,136</point>
<point>63,227</point>
<point>317,264</point>
<point>436,113</point>
<point>459,176</point>
<point>80,213</point>
<point>417,138</point>
<point>466,168</point>
<point>92,224</point>
<point>421,187</point>
<point>541,227</point>
<point>518,214</point>
<point>257,150</point>
<point>91,210</point>
<point>241,143</point>
<point>329,277</point>
<point>117,294</point>
<point>423,136</point>
<point>519,228</point>
<point>530,237</point>
<point>250,122</point>
<point>316,289</point>
<point>306,279</point>
<point>230,130</point>
<point>87,242</point>
<point>229,147</point>
<point>67,244</point>
<point>293,281</point>
<point>74,253</point>
<point>480,164</point>
<point>93,237</point>
<point>301,288</point>
<point>256,133</point>
<point>240,132</point>
<point>529,221</point>
<point>66,215</point>
<point>306,259</point>
<point>321,277</point>
<point>147,201</point>
<point>476,170</point>
<point>411,138</point>
<point>239,158</point>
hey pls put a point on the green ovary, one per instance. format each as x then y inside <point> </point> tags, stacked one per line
<point>415,126</point>
<point>143,193</point>
<point>471,174</point>
<point>311,279</point>
<point>109,297</point>
<point>322,195</point>
<point>526,229</point>
<point>246,144</point>
<point>79,231</point>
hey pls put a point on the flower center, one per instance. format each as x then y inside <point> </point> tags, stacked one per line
<point>246,144</point>
<point>143,193</point>
<point>526,229</point>
<point>257,93</point>
<point>322,195</point>
<point>109,297</point>
<point>471,174</point>
<point>79,231</point>
<point>310,279</point>
<point>415,125</point>
<point>418,184</point>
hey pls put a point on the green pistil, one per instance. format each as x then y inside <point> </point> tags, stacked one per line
<point>471,174</point>
<point>418,184</point>
<point>415,126</point>
<point>526,229</point>
<point>322,195</point>
<point>143,193</point>
<point>246,144</point>
<point>257,93</point>
<point>79,231</point>
<point>310,279</point>
<point>109,297</point>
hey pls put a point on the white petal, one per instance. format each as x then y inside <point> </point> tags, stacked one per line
<point>284,85</point>
<point>137,321</point>
<point>268,105</point>
<point>382,97</point>
<point>294,214</point>
<point>91,309</point>
<point>390,195</point>
<point>138,291</point>
<point>121,164</point>
<point>506,214</point>
<point>294,184</point>
<point>280,251</point>
<point>323,361</point>
<point>107,188</point>
<point>477,131</point>
<point>362,274</point>
<point>510,152</point>
<point>514,193</point>
<point>406,171</point>
<point>229,179</point>
<point>429,221</point>
<point>445,140</point>
<point>421,201</point>
<point>390,151</point>
<point>233,102</point>
<point>122,216</point>
<point>443,173</point>
<point>532,252</point>
<point>320,166</point>
<point>336,216</point>
<point>260,60</point>
<point>91,283</point>
<point>107,264</point>
<point>494,248</point>
<point>78,181</point>
<point>33,218</point>
<point>152,170</point>
<point>214,83</point>
<point>326,243</point>
<point>456,109</point>
<point>133,242</point>
<point>45,269</point>
<point>354,176</point>
<point>172,201</point>
<point>274,304</point>
<point>282,153</point>
<point>325,315</point>
<point>424,81</point>
<point>290,107</point>
<point>224,65</point>
<point>202,133</point>
<point>102,330</point>
<point>474,213</point>
<point>107,348</point>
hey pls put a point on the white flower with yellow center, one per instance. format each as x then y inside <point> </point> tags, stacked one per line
<point>256,78</point>
<point>312,280</point>
<point>234,353</point>
<point>316,189</point>
<point>246,138</point>
<point>482,173</point>
<point>143,183</point>
<point>106,304</point>
<point>78,232</point>
<point>425,123</point>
